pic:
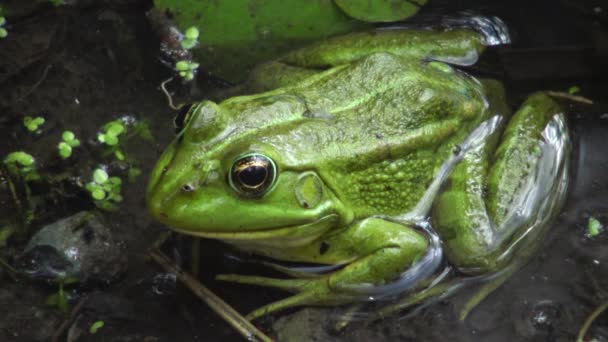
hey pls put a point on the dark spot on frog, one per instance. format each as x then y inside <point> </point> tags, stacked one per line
<point>188,187</point>
<point>165,169</point>
<point>379,136</point>
<point>305,204</point>
<point>323,247</point>
<point>196,166</point>
<point>457,150</point>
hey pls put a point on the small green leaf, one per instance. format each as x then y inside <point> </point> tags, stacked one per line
<point>119,155</point>
<point>98,194</point>
<point>115,128</point>
<point>182,66</point>
<point>3,32</point>
<point>573,90</point>
<point>95,327</point>
<point>192,32</point>
<point>101,137</point>
<point>74,143</point>
<point>188,43</point>
<point>68,136</point>
<point>65,150</point>
<point>19,157</point>
<point>111,140</point>
<point>594,227</point>
<point>100,176</point>
<point>2,21</point>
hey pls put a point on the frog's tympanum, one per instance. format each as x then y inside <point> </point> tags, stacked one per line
<point>373,157</point>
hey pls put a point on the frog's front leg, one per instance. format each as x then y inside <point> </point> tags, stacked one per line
<point>380,252</point>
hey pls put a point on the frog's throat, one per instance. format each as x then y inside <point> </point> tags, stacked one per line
<point>290,236</point>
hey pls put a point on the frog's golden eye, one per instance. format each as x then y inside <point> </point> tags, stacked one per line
<point>252,175</point>
<point>182,117</point>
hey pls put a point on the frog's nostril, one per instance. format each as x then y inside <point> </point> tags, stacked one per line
<point>188,187</point>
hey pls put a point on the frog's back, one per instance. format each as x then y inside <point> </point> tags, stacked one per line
<point>377,130</point>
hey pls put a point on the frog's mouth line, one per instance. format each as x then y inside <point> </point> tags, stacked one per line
<point>288,236</point>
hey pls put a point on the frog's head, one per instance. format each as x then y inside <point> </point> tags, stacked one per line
<point>218,180</point>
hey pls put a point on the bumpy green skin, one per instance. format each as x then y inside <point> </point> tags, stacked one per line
<point>358,127</point>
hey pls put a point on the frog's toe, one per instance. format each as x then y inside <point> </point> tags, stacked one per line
<point>304,298</point>
<point>292,285</point>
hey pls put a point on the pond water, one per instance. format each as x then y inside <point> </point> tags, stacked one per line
<point>81,66</point>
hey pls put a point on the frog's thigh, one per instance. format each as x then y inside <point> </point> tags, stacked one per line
<point>385,250</point>
<point>485,206</point>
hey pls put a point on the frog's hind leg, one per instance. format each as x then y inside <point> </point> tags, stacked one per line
<point>497,205</point>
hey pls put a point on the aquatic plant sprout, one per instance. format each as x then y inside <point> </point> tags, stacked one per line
<point>190,38</point>
<point>105,190</point>
<point>32,124</point>
<point>95,327</point>
<point>69,142</point>
<point>186,69</point>
<point>594,227</point>
<point>110,133</point>
<point>3,31</point>
<point>19,162</point>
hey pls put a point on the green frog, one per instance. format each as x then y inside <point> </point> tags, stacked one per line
<point>372,157</point>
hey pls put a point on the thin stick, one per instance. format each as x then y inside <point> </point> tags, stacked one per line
<point>574,98</point>
<point>167,94</point>
<point>66,323</point>
<point>589,321</point>
<point>231,316</point>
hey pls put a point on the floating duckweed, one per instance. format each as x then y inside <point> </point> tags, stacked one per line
<point>573,90</point>
<point>110,133</point>
<point>3,31</point>
<point>32,124</point>
<point>186,69</point>
<point>19,157</point>
<point>190,38</point>
<point>69,142</point>
<point>96,326</point>
<point>65,150</point>
<point>100,176</point>
<point>594,227</point>
<point>105,190</point>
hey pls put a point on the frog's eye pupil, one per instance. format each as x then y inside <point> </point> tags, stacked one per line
<point>181,119</point>
<point>252,175</point>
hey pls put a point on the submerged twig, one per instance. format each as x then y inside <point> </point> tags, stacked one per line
<point>598,311</point>
<point>167,94</point>
<point>37,84</point>
<point>570,97</point>
<point>231,316</point>
<point>66,323</point>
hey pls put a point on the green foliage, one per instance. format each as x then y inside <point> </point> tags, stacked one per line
<point>69,142</point>
<point>190,38</point>
<point>32,124</point>
<point>3,31</point>
<point>594,227</point>
<point>186,69</point>
<point>574,90</point>
<point>105,190</point>
<point>110,132</point>
<point>380,10</point>
<point>20,163</point>
<point>95,327</point>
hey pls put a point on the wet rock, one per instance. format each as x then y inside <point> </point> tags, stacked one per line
<point>81,246</point>
<point>303,326</point>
